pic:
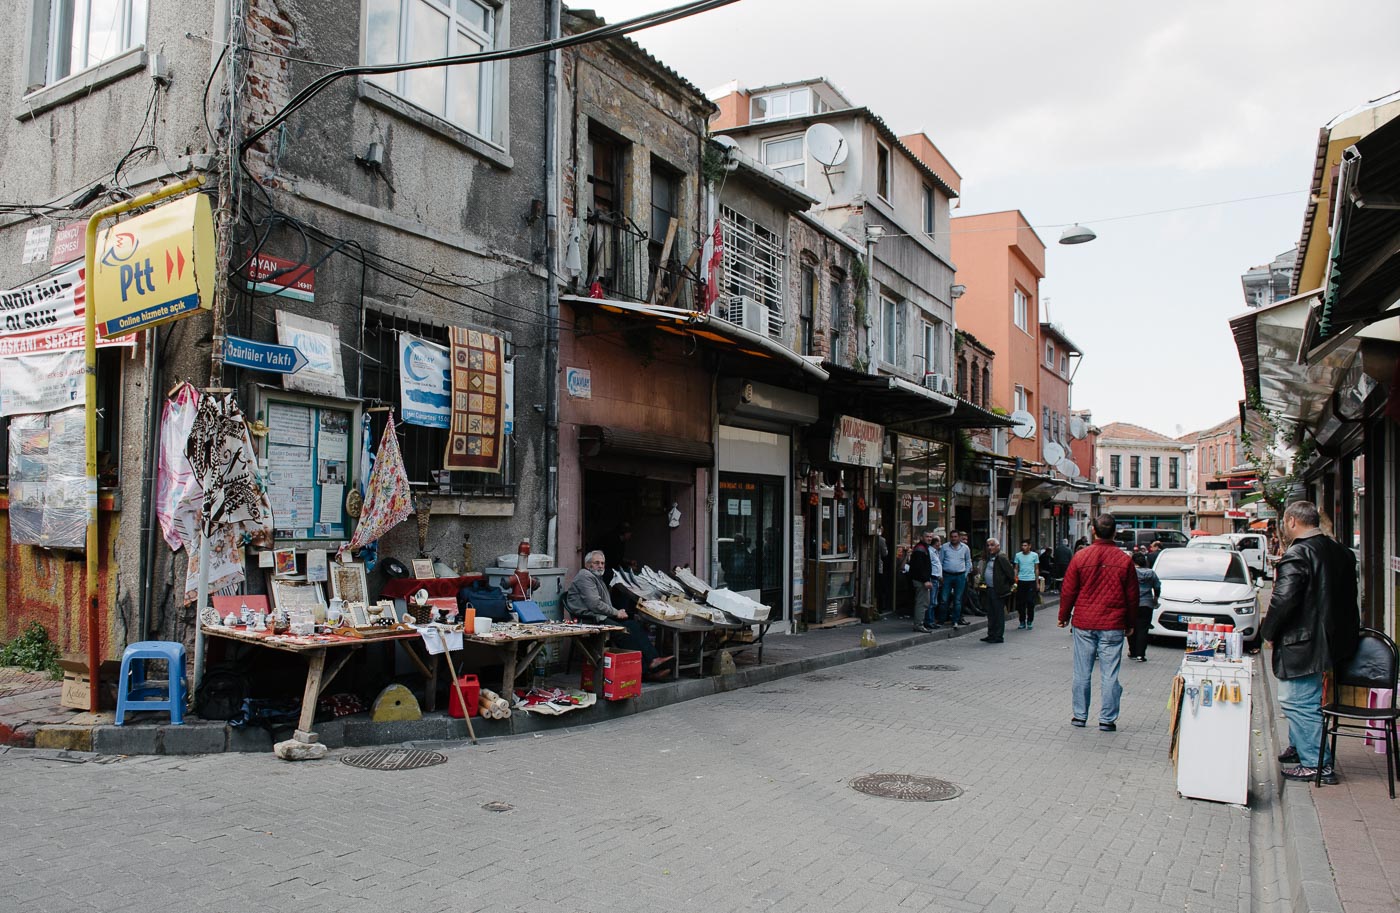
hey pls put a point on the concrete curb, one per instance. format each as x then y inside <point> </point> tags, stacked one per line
<point>1307,873</point>
<point>204,737</point>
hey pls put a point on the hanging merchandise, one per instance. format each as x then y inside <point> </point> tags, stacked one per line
<point>221,453</point>
<point>388,501</point>
<point>176,486</point>
<point>355,505</point>
<point>474,439</point>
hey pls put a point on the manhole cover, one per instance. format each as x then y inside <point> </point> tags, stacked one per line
<point>935,668</point>
<point>498,806</point>
<point>906,787</point>
<point>395,759</point>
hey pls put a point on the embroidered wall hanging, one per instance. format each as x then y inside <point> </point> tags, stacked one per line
<point>474,439</point>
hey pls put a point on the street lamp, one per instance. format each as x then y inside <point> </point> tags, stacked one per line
<point>1077,234</point>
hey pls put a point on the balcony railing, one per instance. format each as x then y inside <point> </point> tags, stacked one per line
<point>625,263</point>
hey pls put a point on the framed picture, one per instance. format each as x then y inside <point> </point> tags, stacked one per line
<point>423,569</point>
<point>359,615</point>
<point>348,582</point>
<point>284,562</point>
<point>296,596</point>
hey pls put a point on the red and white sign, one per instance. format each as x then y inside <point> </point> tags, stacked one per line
<point>1236,515</point>
<point>857,442</point>
<point>275,276</point>
<point>47,316</point>
<point>68,243</point>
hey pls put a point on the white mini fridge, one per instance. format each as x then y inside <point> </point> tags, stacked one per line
<point>1213,739</point>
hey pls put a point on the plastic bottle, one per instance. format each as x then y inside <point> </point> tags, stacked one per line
<point>1193,636</point>
<point>1220,639</point>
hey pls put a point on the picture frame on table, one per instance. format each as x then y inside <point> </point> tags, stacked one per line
<point>423,569</point>
<point>359,614</point>
<point>348,582</point>
<point>296,596</point>
<point>284,562</point>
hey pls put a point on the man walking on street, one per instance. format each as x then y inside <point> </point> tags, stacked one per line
<point>1313,625</point>
<point>957,561</point>
<point>998,578</point>
<point>1063,556</point>
<point>1100,595</point>
<point>1027,562</point>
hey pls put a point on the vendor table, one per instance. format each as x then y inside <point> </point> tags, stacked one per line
<point>1213,742</point>
<point>680,631</point>
<point>509,639</point>
<point>315,648</point>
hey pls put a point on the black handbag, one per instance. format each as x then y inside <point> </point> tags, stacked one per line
<point>489,601</point>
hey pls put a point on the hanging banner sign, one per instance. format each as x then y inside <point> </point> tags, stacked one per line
<point>45,382</point>
<point>856,442</point>
<point>155,268</point>
<point>425,382</point>
<point>287,278</point>
<point>262,356</point>
<point>47,316</point>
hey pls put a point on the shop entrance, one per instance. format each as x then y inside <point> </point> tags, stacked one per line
<point>613,502</point>
<point>750,548</point>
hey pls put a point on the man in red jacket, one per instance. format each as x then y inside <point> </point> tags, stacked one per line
<point>1100,595</point>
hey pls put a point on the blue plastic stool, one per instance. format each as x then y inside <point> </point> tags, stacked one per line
<point>132,687</point>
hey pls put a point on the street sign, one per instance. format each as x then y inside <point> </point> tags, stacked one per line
<point>262,356</point>
<point>156,267</point>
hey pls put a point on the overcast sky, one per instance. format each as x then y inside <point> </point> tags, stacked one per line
<point>1084,112</point>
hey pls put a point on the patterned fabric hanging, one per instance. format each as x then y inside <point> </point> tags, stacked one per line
<point>474,438</point>
<point>388,500</point>
<point>177,490</point>
<point>220,452</point>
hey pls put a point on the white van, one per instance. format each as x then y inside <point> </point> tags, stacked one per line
<point>1253,546</point>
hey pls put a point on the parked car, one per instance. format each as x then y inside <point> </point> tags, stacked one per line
<point>1129,539</point>
<point>1205,586</point>
<point>1253,546</point>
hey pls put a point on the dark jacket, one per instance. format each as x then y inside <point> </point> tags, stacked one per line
<point>1063,556</point>
<point>920,567</point>
<point>1003,575</point>
<point>1149,588</point>
<point>587,597</point>
<point>1100,589</point>
<point>1313,621</point>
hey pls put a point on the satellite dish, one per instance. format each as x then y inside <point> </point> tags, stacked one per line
<point>731,152</point>
<point>1023,424</point>
<point>727,142</point>
<point>1068,468</point>
<point>1077,429</point>
<point>1053,452</point>
<point>827,145</point>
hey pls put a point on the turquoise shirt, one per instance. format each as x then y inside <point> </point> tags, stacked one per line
<point>1026,565</point>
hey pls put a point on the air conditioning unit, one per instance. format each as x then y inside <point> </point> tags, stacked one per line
<point>939,383</point>
<point>747,313</point>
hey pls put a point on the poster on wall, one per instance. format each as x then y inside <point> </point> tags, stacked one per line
<point>918,515</point>
<point>320,343</point>
<point>799,545</point>
<point>42,383</point>
<point>308,465</point>
<point>47,480</point>
<point>48,316</point>
<point>425,382</point>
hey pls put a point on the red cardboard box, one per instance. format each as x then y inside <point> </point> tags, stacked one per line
<point>622,675</point>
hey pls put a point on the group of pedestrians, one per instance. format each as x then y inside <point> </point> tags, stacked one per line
<point>938,571</point>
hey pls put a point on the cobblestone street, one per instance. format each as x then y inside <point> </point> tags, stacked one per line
<point>736,802</point>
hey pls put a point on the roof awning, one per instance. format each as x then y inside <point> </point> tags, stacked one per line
<point>709,329</point>
<point>901,405</point>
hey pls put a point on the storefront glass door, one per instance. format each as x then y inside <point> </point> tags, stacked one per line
<point>751,536</point>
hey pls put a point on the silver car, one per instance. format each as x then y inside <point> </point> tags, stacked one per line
<point>1205,586</point>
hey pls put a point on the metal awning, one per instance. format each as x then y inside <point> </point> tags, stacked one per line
<point>901,405</point>
<point>1269,341</point>
<point>707,328</point>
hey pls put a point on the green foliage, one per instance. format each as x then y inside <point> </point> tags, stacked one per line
<point>1274,451</point>
<point>32,651</point>
<point>997,410</point>
<point>712,169</point>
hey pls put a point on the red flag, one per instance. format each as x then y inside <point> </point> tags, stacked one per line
<point>712,280</point>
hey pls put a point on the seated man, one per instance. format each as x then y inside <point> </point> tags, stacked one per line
<point>588,600</point>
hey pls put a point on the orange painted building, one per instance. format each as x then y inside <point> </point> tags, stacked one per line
<point>1001,260</point>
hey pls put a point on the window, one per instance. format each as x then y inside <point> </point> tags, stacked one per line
<point>787,156</point>
<point>986,386</point>
<point>785,103</point>
<point>806,341</point>
<point>1173,472</point>
<point>665,208</point>
<point>1115,471</point>
<point>1045,422</point>
<point>838,314</point>
<point>753,265</point>
<point>423,447</point>
<point>84,33</point>
<point>1135,471</point>
<point>1020,309</point>
<point>1064,364</point>
<point>400,31</point>
<point>1050,355</point>
<point>928,210</point>
<point>883,178</point>
<point>962,378</point>
<point>1154,472</point>
<point>933,361</point>
<point>891,320</point>
<point>1021,401</point>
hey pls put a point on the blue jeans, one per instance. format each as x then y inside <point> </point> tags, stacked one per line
<point>1105,647</point>
<point>951,598</point>
<point>1300,699</point>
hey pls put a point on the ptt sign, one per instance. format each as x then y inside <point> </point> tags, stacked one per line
<point>154,268</point>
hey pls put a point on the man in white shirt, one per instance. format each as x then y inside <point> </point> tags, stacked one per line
<point>956,559</point>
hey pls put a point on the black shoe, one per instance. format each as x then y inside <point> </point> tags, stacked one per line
<point>1078,723</point>
<point>1108,727</point>
<point>994,640</point>
<point>1289,757</point>
<point>963,624</point>
<point>1304,774</point>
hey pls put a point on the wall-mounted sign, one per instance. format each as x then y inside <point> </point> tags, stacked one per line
<point>287,278</point>
<point>425,382</point>
<point>262,356</point>
<point>68,243</point>
<point>36,243</point>
<point>320,343</point>
<point>47,316</point>
<point>856,442</point>
<point>154,268</point>
<point>579,382</point>
<point>1236,515</point>
<point>918,517</point>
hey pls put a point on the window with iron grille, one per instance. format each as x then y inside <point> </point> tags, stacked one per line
<point>422,447</point>
<point>753,265</point>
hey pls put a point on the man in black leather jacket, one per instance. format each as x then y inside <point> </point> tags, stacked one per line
<point>1313,624</point>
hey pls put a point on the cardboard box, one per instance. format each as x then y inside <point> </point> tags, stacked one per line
<point>77,684</point>
<point>622,675</point>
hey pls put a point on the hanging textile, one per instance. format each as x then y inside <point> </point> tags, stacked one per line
<point>221,452</point>
<point>388,501</point>
<point>370,553</point>
<point>474,439</point>
<point>226,559</point>
<point>177,490</point>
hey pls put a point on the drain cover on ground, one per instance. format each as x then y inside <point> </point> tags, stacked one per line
<point>395,759</point>
<point>498,806</point>
<point>907,787</point>
<point>822,677</point>
<point>935,668</point>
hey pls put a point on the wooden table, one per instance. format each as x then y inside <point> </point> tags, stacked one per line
<point>315,648</point>
<point>509,639</point>
<point>676,631</point>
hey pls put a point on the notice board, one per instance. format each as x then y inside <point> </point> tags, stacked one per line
<point>309,456</point>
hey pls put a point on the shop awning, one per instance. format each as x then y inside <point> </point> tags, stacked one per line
<point>1269,341</point>
<point>901,405</point>
<point>604,441</point>
<point>721,334</point>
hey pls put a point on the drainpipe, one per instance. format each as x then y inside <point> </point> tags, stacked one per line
<point>148,482</point>
<point>551,291</point>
